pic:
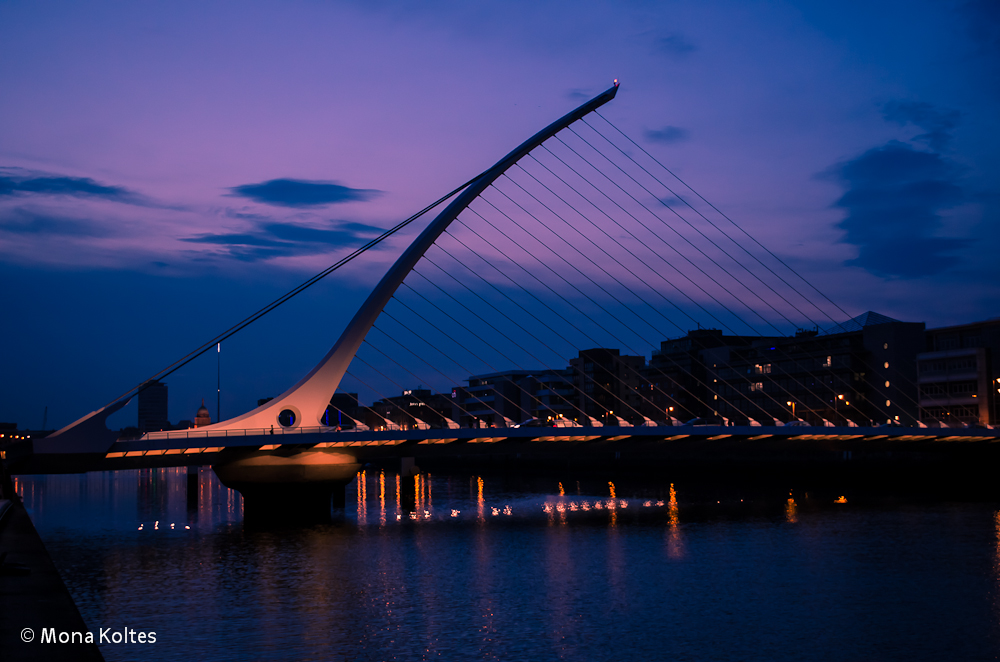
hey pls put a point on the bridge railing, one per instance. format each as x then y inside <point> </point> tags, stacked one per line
<point>195,433</point>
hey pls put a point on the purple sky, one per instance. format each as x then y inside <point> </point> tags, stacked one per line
<point>167,169</point>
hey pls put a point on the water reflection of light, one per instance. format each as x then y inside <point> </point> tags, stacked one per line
<point>479,499</point>
<point>612,486</point>
<point>675,543</point>
<point>381,498</point>
<point>362,497</point>
<point>416,493</point>
<point>790,510</point>
<point>398,490</point>
<point>562,492</point>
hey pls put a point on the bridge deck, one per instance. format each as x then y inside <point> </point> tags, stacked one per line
<point>191,448</point>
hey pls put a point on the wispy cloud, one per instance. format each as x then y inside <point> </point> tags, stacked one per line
<point>16,182</point>
<point>675,45</point>
<point>301,193</point>
<point>270,239</point>
<point>19,221</point>
<point>668,134</point>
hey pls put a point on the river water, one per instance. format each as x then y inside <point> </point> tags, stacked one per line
<point>492,568</point>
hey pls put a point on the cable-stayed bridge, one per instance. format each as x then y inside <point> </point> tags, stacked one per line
<point>577,238</point>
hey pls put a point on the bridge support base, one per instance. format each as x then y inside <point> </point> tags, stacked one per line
<point>289,489</point>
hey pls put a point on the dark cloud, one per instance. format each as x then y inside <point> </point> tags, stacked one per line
<point>26,222</point>
<point>579,93</point>
<point>301,193</point>
<point>938,124</point>
<point>675,45</point>
<point>673,201</point>
<point>668,134</point>
<point>12,184</point>
<point>269,239</point>
<point>893,197</point>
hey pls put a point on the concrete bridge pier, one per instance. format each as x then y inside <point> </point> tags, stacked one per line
<point>297,488</point>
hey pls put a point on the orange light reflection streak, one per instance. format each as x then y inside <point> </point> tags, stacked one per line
<point>381,497</point>
<point>675,544</point>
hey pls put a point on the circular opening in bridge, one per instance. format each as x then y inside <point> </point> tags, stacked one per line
<point>286,418</point>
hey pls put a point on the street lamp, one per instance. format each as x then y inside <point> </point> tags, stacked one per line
<point>792,405</point>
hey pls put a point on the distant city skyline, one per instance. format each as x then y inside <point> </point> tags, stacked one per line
<point>166,171</point>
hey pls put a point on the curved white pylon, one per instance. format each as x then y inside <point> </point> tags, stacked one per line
<point>308,399</point>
